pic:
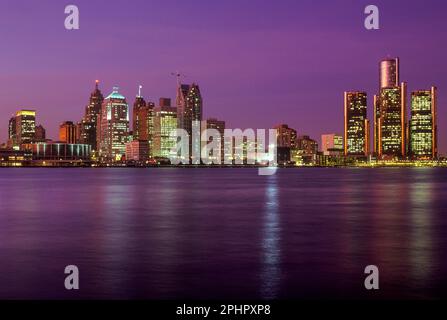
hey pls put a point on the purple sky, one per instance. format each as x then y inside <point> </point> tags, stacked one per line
<point>259,63</point>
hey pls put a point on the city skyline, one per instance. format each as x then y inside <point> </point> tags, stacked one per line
<point>235,83</point>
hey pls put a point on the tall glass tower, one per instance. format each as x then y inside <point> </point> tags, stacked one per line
<point>113,128</point>
<point>356,136</point>
<point>422,125</point>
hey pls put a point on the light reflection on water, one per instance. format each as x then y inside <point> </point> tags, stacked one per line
<point>225,233</point>
<point>271,271</point>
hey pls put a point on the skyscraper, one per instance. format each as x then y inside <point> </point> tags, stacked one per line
<point>113,127</point>
<point>219,125</point>
<point>389,122</point>
<point>389,73</point>
<point>67,132</point>
<point>189,108</point>
<point>22,128</point>
<point>165,122</point>
<point>286,137</point>
<point>143,121</point>
<point>87,128</point>
<point>356,135</point>
<point>140,118</point>
<point>423,125</point>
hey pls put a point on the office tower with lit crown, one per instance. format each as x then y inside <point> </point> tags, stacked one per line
<point>87,128</point>
<point>22,128</point>
<point>143,121</point>
<point>423,125</point>
<point>140,115</point>
<point>189,108</point>
<point>356,133</point>
<point>165,122</point>
<point>113,127</point>
<point>389,73</point>
<point>390,129</point>
<point>68,132</point>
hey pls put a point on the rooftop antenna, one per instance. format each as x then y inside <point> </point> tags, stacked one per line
<point>178,75</point>
<point>139,90</point>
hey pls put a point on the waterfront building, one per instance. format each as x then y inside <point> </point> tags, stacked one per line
<point>286,136</point>
<point>356,135</point>
<point>165,122</point>
<point>143,121</point>
<point>189,108</point>
<point>137,150</point>
<point>58,152</point>
<point>219,125</point>
<point>423,125</point>
<point>113,130</point>
<point>332,144</point>
<point>68,132</point>
<point>390,130</point>
<point>22,128</point>
<point>87,127</point>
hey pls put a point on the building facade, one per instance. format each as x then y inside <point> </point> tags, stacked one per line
<point>389,73</point>
<point>423,140</point>
<point>332,144</point>
<point>165,122</point>
<point>137,151</point>
<point>389,122</point>
<point>22,128</point>
<point>219,125</point>
<point>87,127</point>
<point>356,132</point>
<point>286,137</point>
<point>113,127</point>
<point>68,132</point>
<point>189,108</point>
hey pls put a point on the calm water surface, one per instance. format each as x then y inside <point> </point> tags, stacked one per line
<point>223,233</point>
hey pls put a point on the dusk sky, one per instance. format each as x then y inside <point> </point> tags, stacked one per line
<point>258,63</point>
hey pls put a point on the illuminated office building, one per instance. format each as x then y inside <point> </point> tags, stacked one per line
<point>389,122</point>
<point>165,122</point>
<point>332,144</point>
<point>423,125</point>
<point>137,150</point>
<point>113,130</point>
<point>22,128</point>
<point>87,128</point>
<point>143,121</point>
<point>68,132</point>
<point>189,109</point>
<point>306,145</point>
<point>286,136</point>
<point>356,135</point>
<point>219,125</point>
